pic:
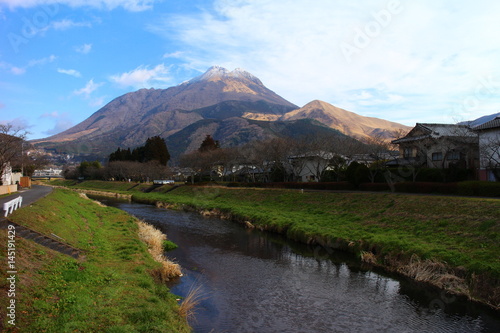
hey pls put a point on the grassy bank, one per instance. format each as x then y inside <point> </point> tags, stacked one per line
<point>113,290</point>
<point>451,242</point>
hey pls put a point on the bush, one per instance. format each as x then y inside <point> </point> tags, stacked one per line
<point>426,187</point>
<point>357,173</point>
<point>479,188</point>
<point>169,245</point>
<point>376,187</point>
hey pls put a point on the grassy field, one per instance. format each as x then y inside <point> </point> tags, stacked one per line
<point>401,232</point>
<point>111,291</point>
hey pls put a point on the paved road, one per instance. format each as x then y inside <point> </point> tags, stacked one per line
<point>29,196</point>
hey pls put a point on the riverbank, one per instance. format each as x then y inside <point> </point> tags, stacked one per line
<point>449,242</point>
<point>115,289</point>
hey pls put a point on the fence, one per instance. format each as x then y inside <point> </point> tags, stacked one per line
<point>12,205</point>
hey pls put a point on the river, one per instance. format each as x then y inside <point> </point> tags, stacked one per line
<point>252,281</point>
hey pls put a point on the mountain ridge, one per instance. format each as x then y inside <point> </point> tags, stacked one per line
<point>235,104</point>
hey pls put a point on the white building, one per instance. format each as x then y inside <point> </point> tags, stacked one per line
<point>48,173</point>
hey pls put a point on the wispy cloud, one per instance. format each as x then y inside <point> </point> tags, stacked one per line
<point>16,70</point>
<point>19,122</point>
<point>61,122</point>
<point>85,48</point>
<point>68,24</point>
<point>41,61</point>
<point>89,88</point>
<point>142,77</point>
<point>428,55</point>
<point>72,72</point>
<point>130,5</point>
<point>177,54</point>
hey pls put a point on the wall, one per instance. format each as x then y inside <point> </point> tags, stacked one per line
<point>6,189</point>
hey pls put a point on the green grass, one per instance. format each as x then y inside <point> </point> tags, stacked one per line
<point>116,187</point>
<point>462,232</point>
<point>111,291</point>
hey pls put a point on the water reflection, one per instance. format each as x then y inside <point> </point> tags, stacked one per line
<point>259,282</point>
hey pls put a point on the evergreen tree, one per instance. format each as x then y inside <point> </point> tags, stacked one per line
<point>208,144</point>
<point>156,150</point>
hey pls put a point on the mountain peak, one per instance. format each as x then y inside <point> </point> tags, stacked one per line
<point>218,73</point>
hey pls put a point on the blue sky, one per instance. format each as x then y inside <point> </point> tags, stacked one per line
<point>404,61</point>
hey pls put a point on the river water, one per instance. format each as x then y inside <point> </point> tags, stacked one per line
<point>252,281</point>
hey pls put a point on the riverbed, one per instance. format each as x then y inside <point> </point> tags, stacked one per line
<point>252,281</point>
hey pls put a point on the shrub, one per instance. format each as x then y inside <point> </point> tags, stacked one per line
<point>169,245</point>
<point>357,173</point>
<point>376,187</point>
<point>479,188</point>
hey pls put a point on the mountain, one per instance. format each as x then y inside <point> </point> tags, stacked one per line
<point>480,120</point>
<point>130,119</point>
<point>344,121</point>
<point>234,107</point>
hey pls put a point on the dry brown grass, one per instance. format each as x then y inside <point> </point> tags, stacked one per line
<point>434,272</point>
<point>84,196</point>
<point>188,305</point>
<point>154,239</point>
<point>368,257</point>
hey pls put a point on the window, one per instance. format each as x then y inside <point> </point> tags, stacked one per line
<point>407,152</point>
<point>437,156</point>
<point>454,156</point>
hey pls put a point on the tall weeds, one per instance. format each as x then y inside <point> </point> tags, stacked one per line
<point>154,239</point>
<point>435,272</point>
<point>188,305</point>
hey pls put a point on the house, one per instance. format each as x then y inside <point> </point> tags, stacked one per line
<point>489,149</point>
<point>310,166</point>
<point>439,146</point>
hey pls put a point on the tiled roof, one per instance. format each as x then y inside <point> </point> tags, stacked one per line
<point>495,123</point>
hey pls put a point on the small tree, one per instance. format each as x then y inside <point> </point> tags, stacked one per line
<point>208,144</point>
<point>90,170</point>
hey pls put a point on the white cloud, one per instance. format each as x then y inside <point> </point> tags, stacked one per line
<point>143,77</point>
<point>89,88</point>
<point>72,72</point>
<point>428,55</point>
<point>130,5</point>
<point>67,24</point>
<point>85,48</point>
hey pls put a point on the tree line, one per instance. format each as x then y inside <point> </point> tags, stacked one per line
<point>147,162</point>
<point>322,157</point>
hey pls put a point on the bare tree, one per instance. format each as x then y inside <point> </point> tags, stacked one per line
<point>11,145</point>
<point>377,147</point>
<point>490,155</point>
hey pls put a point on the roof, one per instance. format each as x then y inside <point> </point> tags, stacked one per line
<point>494,123</point>
<point>425,130</point>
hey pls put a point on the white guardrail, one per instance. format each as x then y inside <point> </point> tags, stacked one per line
<point>12,205</point>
